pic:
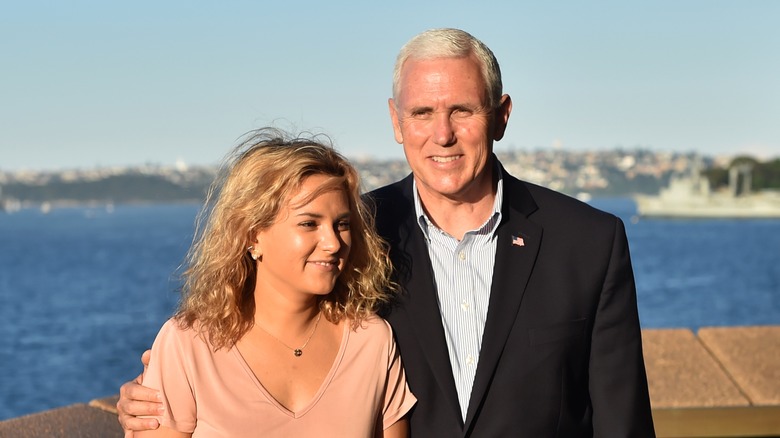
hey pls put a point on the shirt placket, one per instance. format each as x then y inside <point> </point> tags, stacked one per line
<point>465,318</point>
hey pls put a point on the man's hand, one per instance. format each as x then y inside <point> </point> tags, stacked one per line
<point>135,400</point>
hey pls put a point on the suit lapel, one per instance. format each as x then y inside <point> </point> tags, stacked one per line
<point>425,317</point>
<point>517,247</point>
<point>419,302</point>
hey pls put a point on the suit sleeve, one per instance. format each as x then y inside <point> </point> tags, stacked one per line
<point>618,383</point>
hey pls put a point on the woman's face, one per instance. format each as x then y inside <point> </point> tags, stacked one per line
<point>307,247</point>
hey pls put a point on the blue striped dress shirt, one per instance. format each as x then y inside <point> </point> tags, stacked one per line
<point>463,271</point>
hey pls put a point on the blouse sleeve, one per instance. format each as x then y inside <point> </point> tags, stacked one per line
<point>168,373</point>
<point>398,398</point>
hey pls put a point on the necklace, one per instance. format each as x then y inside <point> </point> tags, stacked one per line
<point>296,351</point>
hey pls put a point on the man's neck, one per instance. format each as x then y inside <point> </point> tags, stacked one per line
<point>457,215</point>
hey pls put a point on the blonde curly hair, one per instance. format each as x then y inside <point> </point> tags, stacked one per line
<point>259,177</point>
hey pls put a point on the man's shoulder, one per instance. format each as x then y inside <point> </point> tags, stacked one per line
<point>549,201</point>
<point>392,200</point>
<point>394,192</point>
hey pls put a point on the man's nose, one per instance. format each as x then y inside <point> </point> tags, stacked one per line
<point>443,130</point>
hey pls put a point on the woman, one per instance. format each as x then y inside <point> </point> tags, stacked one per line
<point>275,334</point>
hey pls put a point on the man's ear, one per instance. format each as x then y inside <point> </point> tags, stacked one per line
<point>502,117</point>
<point>399,137</point>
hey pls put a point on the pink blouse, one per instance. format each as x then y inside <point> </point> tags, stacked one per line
<point>212,394</point>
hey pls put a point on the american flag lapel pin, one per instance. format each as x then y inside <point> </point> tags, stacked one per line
<point>518,241</point>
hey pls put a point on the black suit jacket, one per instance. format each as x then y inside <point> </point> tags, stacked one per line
<point>561,352</point>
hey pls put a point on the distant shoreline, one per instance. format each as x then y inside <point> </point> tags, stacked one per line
<point>584,175</point>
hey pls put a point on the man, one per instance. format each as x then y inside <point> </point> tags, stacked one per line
<point>517,315</point>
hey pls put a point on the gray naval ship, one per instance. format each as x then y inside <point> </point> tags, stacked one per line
<point>690,196</point>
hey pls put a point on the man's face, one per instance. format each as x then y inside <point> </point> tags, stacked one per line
<point>441,117</point>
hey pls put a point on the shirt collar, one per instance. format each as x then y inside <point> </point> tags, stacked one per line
<point>425,222</point>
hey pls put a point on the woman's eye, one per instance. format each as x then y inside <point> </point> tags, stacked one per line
<point>308,224</point>
<point>343,226</point>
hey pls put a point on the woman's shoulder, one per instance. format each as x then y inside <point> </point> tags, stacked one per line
<point>374,328</point>
<point>374,322</point>
<point>373,342</point>
<point>174,332</point>
<point>174,327</point>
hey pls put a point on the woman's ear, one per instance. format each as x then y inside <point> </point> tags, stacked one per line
<point>256,249</point>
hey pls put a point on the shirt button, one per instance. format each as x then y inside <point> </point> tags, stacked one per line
<point>465,305</point>
<point>470,360</point>
<point>462,255</point>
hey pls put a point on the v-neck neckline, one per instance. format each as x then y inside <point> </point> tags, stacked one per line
<point>317,396</point>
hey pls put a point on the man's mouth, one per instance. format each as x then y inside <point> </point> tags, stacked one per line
<point>445,159</point>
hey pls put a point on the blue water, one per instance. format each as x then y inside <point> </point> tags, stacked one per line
<point>83,291</point>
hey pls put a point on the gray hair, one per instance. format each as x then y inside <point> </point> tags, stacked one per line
<point>451,43</point>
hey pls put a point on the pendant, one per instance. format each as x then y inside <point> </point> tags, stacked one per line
<point>297,352</point>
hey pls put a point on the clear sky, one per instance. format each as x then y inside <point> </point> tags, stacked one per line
<point>98,83</point>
